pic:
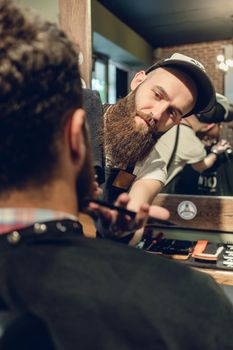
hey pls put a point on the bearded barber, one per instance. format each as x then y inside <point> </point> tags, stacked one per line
<point>161,96</point>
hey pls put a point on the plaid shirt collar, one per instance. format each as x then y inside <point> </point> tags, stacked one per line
<point>18,218</point>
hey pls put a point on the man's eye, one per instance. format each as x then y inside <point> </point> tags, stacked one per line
<point>157,95</point>
<point>172,114</point>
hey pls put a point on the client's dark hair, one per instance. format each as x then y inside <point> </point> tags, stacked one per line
<point>39,87</point>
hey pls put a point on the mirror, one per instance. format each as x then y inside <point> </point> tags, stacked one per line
<point>209,184</point>
<point>168,34</point>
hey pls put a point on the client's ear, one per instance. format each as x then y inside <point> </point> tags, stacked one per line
<point>138,79</point>
<point>76,137</point>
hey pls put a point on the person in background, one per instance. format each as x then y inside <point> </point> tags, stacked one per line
<point>90,293</point>
<point>212,175</point>
<point>181,146</point>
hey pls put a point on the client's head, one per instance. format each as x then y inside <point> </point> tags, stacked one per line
<point>41,120</point>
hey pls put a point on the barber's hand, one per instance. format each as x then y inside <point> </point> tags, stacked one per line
<point>113,223</point>
<point>221,147</point>
<point>97,190</point>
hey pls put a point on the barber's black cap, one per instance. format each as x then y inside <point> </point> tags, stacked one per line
<point>193,68</point>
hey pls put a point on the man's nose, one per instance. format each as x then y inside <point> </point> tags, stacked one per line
<point>160,109</point>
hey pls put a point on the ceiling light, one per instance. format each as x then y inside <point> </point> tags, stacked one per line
<point>220,58</point>
<point>225,62</point>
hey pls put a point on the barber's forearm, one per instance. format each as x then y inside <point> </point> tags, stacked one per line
<point>210,160</point>
<point>206,163</point>
<point>143,191</point>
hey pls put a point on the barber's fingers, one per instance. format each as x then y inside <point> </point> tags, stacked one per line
<point>223,143</point>
<point>142,215</point>
<point>97,189</point>
<point>222,146</point>
<point>105,214</point>
<point>158,212</point>
<point>122,200</point>
<point>124,221</point>
<point>127,223</point>
<point>155,211</point>
<point>228,145</point>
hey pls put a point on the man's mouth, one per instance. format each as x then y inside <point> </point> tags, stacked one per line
<point>146,121</point>
<point>150,122</point>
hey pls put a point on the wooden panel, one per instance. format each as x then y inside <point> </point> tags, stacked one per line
<point>75,19</point>
<point>221,277</point>
<point>213,213</point>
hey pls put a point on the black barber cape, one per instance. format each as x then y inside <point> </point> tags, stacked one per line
<point>99,294</point>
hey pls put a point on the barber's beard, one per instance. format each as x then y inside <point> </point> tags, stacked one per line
<point>85,178</point>
<point>124,142</point>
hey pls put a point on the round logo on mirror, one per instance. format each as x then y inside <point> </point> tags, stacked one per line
<point>187,210</point>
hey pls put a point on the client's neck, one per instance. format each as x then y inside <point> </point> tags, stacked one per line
<point>58,195</point>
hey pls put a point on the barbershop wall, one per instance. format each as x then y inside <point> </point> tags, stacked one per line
<point>205,52</point>
<point>113,29</point>
<point>48,9</point>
